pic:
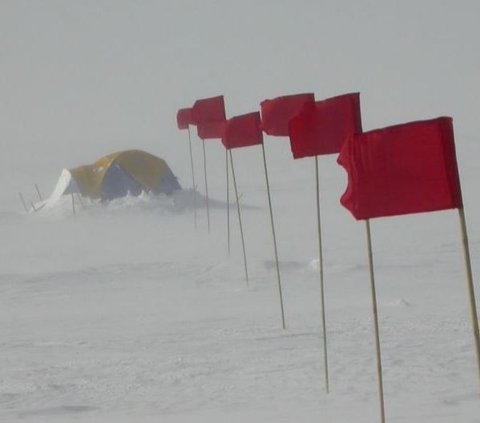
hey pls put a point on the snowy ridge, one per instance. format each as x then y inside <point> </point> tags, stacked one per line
<point>66,206</point>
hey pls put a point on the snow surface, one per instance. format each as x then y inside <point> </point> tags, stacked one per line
<point>128,313</point>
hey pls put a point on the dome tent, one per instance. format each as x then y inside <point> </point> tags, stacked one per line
<point>116,175</point>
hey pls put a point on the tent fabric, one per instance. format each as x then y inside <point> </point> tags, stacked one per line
<point>118,174</point>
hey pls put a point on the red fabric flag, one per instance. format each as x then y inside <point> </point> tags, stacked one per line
<point>208,110</point>
<point>184,118</point>
<point>277,112</point>
<point>209,116</point>
<point>210,130</point>
<point>322,127</point>
<point>402,169</point>
<point>242,131</point>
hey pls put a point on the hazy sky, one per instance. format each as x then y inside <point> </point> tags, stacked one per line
<point>83,78</point>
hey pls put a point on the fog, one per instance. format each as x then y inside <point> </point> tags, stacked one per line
<point>127,312</point>
<point>82,79</point>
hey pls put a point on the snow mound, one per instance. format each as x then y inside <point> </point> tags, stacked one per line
<point>70,205</point>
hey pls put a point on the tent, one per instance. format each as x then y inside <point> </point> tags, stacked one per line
<point>116,175</point>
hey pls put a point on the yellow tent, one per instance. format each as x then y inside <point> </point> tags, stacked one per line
<point>118,174</point>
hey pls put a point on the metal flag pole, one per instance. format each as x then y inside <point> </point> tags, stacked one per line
<point>206,184</point>
<point>375,319</point>
<point>228,202</point>
<point>322,284</point>
<point>470,287</point>
<point>274,238</point>
<point>193,179</point>
<point>239,216</point>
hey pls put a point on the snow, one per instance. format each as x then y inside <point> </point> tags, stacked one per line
<point>127,312</point>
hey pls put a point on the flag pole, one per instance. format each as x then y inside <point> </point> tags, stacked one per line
<point>206,184</point>
<point>193,179</point>
<point>239,216</point>
<point>228,202</point>
<point>470,287</point>
<point>322,284</point>
<point>375,319</point>
<point>274,238</point>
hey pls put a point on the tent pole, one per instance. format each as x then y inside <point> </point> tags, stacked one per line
<point>73,205</point>
<point>23,201</point>
<point>375,319</point>
<point>228,202</point>
<point>470,286</point>
<point>79,198</point>
<point>239,217</point>
<point>274,238</point>
<point>38,192</point>
<point>193,179</point>
<point>206,184</point>
<point>322,284</point>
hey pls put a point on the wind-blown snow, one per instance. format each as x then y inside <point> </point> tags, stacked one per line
<point>126,312</point>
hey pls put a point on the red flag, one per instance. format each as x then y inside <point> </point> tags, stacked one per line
<point>242,131</point>
<point>277,112</point>
<point>322,127</point>
<point>402,169</point>
<point>210,130</point>
<point>208,110</point>
<point>184,118</point>
<point>209,116</point>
